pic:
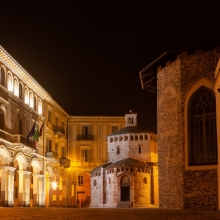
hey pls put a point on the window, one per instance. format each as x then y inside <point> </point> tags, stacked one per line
<point>16,87</point>
<point>35,103</point>
<point>80,180</point>
<point>10,84</point>
<point>145,180</point>
<point>49,145</point>
<point>146,137</point>
<point>56,121</point>
<point>139,149</point>
<point>114,129</point>
<point>63,125</point>
<point>118,150</point>
<point>109,180</point>
<point>20,91</point>
<point>2,80</point>
<point>20,126</point>
<point>86,130</point>
<point>49,116</point>
<point>94,182</point>
<point>63,152</point>
<point>56,147</point>
<point>2,119</point>
<point>202,128</point>
<point>26,95</point>
<point>85,155</point>
<point>39,106</point>
<point>31,99</point>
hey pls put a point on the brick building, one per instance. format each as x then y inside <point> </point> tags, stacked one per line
<point>130,177</point>
<point>186,120</point>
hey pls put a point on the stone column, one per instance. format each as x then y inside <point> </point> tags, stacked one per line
<point>7,186</point>
<point>37,190</point>
<point>41,199</point>
<point>24,188</point>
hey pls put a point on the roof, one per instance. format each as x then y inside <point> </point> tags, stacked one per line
<point>129,130</point>
<point>148,75</point>
<point>97,169</point>
<point>130,162</point>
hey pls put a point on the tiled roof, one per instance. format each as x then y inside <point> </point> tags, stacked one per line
<point>129,130</point>
<point>130,162</point>
<point>100,167</point>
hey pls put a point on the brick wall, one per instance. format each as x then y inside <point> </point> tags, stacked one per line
<point>174,82</point>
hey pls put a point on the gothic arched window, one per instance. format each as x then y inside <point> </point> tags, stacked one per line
<point>202,128</point>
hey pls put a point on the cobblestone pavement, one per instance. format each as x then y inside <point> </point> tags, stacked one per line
<point>104,214</point>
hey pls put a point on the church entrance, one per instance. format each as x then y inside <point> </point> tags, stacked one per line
<point>125,188</point>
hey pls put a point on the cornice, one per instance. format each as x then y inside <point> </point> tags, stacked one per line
<point>97,119</point>
<point>13,65</point>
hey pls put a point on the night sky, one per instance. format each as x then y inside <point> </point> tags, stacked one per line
<point>88,54</point>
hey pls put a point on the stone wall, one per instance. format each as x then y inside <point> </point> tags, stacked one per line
<point>129,149</point>
<point>142,190</point>
<point>200,189</point>
<point>112,188</point>
<point>174,82</point>
<point>96,184</point>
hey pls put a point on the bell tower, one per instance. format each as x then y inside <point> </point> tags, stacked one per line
<point>131,119</point>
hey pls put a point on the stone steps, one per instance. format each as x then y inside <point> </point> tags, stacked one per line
<point>123,205</point>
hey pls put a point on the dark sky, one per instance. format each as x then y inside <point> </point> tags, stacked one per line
<point>88,54</point>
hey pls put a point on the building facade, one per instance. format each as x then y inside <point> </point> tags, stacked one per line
<point>130,177</point>
<point>44,152</point>
<point>87,144</point>
<point>187,128</point>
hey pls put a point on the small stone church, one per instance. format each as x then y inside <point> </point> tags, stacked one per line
<point>130,177</point>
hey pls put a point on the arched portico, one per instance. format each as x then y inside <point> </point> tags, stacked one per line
<point>36,187</point>
<point>6,178</point>
<point>22,181</point>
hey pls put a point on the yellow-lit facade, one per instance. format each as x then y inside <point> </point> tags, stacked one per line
<point>87,149</point>
<point>45,169</point>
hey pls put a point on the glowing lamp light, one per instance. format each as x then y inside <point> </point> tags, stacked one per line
<point>54,185</point>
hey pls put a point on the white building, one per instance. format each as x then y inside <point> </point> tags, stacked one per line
<point>130,177</point>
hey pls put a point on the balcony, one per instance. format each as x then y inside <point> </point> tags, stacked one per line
<point>58,130</point>
<point>19,142</point>
<point>64,162</point>
<point>85,137</point>
<point>51,156</point>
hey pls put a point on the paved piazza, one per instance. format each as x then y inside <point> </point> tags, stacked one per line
<point>104,214</point>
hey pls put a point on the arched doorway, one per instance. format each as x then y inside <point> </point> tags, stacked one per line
<point>125,188</point>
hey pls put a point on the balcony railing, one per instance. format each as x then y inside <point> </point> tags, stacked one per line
<point>18,139</point>
<point>85,137</point>
<point>64,162</point>
<point>58,130</point>
<point>52,156</point>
